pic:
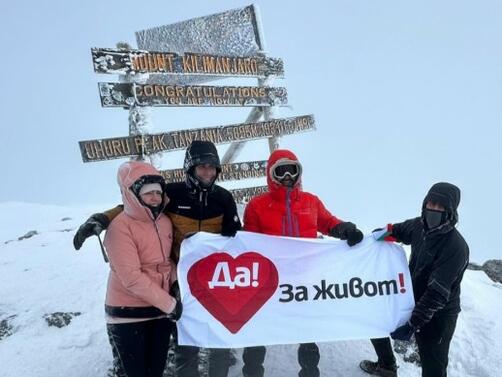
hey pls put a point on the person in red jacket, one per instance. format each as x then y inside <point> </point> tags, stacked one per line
<point>286,210</point>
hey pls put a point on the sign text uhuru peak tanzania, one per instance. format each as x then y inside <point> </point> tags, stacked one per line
<point>106,149</point>
<point>126,95</point>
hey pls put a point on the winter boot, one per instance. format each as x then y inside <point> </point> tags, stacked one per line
<point>372,367</point>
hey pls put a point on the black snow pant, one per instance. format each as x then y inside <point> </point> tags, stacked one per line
<point>433,342</point>
<point>187,361</point>
<point>140,348</point>
<point>308,358</point>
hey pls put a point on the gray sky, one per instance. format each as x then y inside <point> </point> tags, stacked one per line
<point>405,94</point>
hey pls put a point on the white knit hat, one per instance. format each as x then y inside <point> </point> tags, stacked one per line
<point>147,187</point>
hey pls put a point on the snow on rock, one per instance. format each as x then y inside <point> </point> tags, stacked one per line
<point>42,277</point>
<point>493,269</point>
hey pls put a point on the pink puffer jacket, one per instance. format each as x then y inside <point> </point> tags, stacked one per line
<point>139,249</point>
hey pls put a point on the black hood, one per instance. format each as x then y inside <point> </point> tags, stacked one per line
<point>198,153</point>
<point>448,196</point>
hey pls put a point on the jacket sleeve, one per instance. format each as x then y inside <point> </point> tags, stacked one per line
<point>251,218</point>
<point>450,265</point>
<point>231,222</point>
<point>124,261</point>
<point>113,212</point>
<point>403,232</point>
<point>325,220</point>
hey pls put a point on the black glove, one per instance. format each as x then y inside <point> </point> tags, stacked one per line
<point>229,232</point>
<point>175,290</point>
<point>178,309</point>
<point>403,332</point>
<point>93,226</point>
<point>175,315</point>
<point>347,231</point>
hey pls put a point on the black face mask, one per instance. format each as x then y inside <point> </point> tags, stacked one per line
<point>434,218</point>
<point>288,181</point>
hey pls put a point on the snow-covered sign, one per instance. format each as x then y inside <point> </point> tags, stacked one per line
<point>229,172</point>
<point>118,61</point>
<point>252,289</point>
<point>235,32</point>
<point>119,147</point>
<point>129,94</point>
<point>244,195</point>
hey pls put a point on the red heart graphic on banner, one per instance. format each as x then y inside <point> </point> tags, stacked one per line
<point>233,289</point>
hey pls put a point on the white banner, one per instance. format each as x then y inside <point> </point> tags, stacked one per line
<point>255,289</point>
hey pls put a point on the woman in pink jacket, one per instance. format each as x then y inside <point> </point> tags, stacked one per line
<point>139,307</point>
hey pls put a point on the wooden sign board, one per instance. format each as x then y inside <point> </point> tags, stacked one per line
<point>107,60</point>
<point>229,172</point>
<point>129,94</point>
<point>244,195</point>
<point>234,32</point>
<point>107,149</point>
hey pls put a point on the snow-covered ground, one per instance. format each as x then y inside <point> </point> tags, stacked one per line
<point>43,274</point>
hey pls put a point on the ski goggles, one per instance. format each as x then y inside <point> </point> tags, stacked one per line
<point>283,168</point>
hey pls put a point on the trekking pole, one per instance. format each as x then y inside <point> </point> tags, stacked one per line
<point>102,249</point>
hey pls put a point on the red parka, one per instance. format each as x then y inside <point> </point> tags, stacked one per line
<point>287,211</point>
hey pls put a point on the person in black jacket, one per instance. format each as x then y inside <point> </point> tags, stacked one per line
<point>197,204</point>
<point>439,257</point>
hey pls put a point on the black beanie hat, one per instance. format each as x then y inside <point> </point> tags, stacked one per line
<point>201,152</point>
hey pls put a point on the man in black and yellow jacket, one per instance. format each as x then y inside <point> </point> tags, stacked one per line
<point>197,204</point>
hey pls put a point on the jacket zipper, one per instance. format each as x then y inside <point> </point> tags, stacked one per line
<point>201,209</point>
<point>161,247</point>
<point>288,213</point>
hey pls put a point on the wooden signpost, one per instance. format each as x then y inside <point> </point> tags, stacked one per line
<point>167,70</point>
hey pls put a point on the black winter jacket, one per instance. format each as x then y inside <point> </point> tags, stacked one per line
<point>437,264</point>
<point>194,210</point>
